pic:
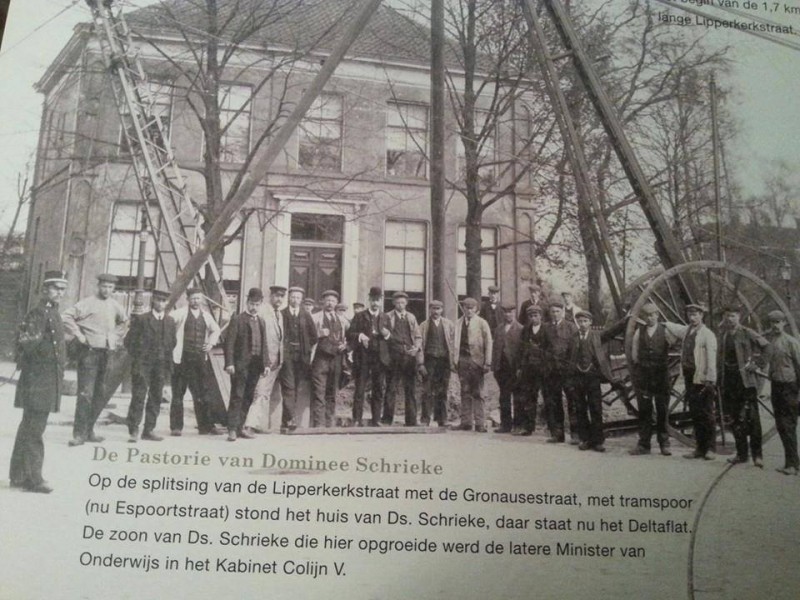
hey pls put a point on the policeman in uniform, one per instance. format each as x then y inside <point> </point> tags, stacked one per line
<point>41,355</point>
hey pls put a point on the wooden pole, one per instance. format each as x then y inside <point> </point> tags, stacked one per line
<point>437,138</point>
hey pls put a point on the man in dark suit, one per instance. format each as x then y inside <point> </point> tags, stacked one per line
<point>505,361</point>
<point>370,357</point>
<point>299,337</point>
<point>246,359</point>
<point>149,342</point>
<point>491,310</point>
<point>435,361</point>
<point>41,355</point>
<point>558,333</point>
<point>532,366</point>
<point>589,367</point>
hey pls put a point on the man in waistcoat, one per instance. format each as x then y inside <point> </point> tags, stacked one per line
<point>533,363</point>
<point>196,334</point>
<point>98,324</point>
<point>150,342</point>
<point>491,310</point>
<point>473,347</point>
<point>326,366</point>
<point>41,356</point>
<point>435,361</point>
<point>739,350</point>
<point>558,333</point>
<point>588,368</point>
<point>300,336</point>
<point>370,357</point>
<point>505,363</point>
<point>404,343</point>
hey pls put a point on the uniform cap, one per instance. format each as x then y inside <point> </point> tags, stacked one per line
<point>54,277</point>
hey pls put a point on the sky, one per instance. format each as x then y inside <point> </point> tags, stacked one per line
<point>765,79</point>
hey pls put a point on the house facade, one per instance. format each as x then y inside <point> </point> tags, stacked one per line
<point>345,206</point>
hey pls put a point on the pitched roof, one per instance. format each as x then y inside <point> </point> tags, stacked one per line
<point>300,25</point>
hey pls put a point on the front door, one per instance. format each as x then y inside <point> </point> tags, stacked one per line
<point>316,269</point>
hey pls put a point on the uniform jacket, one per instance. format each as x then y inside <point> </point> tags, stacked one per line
<point>508,343</point>
<point>41,355</point>
<point>449,338</point>
<point>143,338</point>
<point>558,338</point>
<point>319,324</point>
<point>362,323</point>
<point>480,341</point>
<point>748,345</point>
<point>238,342</point>
<point>493,316</point>
<point>597,351</point>
<point>308,334</point>
<point>705,351</point>
<point>416,337</point>
<point>275,332</point>
<point>180,314</point>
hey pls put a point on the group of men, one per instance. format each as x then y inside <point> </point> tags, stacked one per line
<point>548,349</point>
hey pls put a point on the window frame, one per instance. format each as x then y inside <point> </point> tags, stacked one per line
<point>417,299</point>
<point>127,282</point>
<point>320,101</point>
<point>394,107</point>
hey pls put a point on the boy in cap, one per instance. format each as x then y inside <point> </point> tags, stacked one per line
<point>150,342</point>
<point>473,349</point>
<point>492,310</point>
<point>404,340</point>
<point>300,336</point>
<point>370,357</point>
<point>246,360</point>
<point>783,356</point>
<point>326,366</point>
<point>435,361</point>
<point>196,333</point>
<point>41,356</point>
<point>739,350</point>
<point>98,324</point>
<point>505,362</point>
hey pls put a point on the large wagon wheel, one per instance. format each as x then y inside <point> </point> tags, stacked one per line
<point>716,284</point>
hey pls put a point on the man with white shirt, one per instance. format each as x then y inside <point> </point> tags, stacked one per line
<point>650,354</point>
<point>370,357</point>
<point>299,338</point>
<point>150,342</point>
<point>196,334</point>
<point>435,361</point>
<point>265,411</point>
<point>98,324</point>
<point>473,349</point>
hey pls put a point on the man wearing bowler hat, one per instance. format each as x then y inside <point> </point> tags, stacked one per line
<point>41,356</point>
<point>326,366</point>
<point>435,361</point>
<point>370,357</point>
<point>300,336</point>
<point>246,360</point>
<point>473,348</point>
<point>150,342</point>
<point>98,325</point>
<point>491,310</point>
<point>404,342</point>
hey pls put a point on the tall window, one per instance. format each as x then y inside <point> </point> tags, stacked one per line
<point>158,98</point>
<point>320,134</point>
<point>123,247</point>
<point>234,119</point>
<point>232,264</point>
<point>407,140</point>
<point>488,260</point>
<point>486,155</point>
<point>404,266</point>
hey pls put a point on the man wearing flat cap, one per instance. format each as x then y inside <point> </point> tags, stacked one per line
<point>534,355</point>
<point>358,307</point>
<point>149,342</point>
<point>782,356</point>
<point>246,360</point>
<point>370,357</point>
<point>97,323</point>
<point>473,349</point>
<point>492,310</point>
<point>558,333</point>
<point>41,356</point>
<point>310,306</point>
<point>435,361</point>
<point>265,411</point>
<point>299,339</point>
<point>196,334</point>
<point>405,341</point>
<point>650,355</point>
<point>535,299</point>
<point>739,350</point>
<point>326,366</point>
<point>505,363</point>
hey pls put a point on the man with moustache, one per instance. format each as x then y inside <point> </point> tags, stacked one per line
<point>326,366</point>
<point>300,336</point>
<point>404,339</point>
<point>370,357</point>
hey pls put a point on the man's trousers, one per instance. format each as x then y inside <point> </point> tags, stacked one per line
<point>190,373</point>
<point>243,387</point>
<point>28,454</point>
<point>437,382</point>
<point>740,404</point>
<point>325,372</point>
<point>652,385</point>
<point>555,389</point>
<point>293,373</point>
<point>403,372</point>
<point>264,410</point>
<point>784,405</point>
<point>473,399</point>
<point>589,408</point>
<point>701,408</point>
<point>147,381</point>
<point>92,399</point>
<point>369,373</point>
